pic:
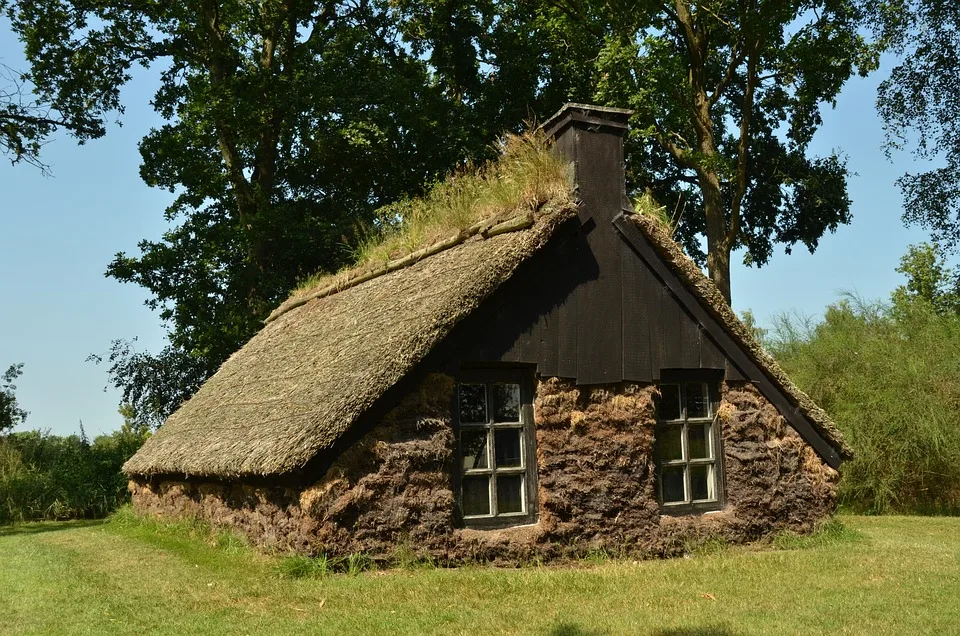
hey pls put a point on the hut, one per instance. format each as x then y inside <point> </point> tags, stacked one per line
<point>536,387</point>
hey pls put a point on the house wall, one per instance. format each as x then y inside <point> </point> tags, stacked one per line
<point>391,490</point>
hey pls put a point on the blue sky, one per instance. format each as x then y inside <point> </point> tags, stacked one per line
<point>58,233</point>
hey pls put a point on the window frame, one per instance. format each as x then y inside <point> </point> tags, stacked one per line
<point>715,459</point>
<point>527,469</point>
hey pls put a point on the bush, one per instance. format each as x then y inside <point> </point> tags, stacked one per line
<point>46,477</point>
<point>888,374</point>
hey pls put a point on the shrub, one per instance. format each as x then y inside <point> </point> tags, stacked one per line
<point>45,477</point>
<point>887,373</point>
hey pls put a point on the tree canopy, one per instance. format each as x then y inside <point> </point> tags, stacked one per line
<point>726,94</point>
<point>25,121</point>
<point>919,103</point>
<point>10,412</point>
<point>287,124</point>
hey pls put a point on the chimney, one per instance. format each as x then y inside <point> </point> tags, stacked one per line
<point>592,138</point>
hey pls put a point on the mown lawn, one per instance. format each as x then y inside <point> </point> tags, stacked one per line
<point>888,575</point>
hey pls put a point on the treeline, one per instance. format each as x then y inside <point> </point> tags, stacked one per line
<point>889,374</point>
<point>48,477</point>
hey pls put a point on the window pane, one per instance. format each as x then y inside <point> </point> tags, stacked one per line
<point>474,447</point>
<point>669,406</point>
<point>507,447</point>
<point>698,404</point>
<point>671,481</point>
<point>473,403</point>
<point>671,448</point>
<point>506,402</point>
<point>698,441</point>
<point>701,482</point>
<point>476,496</point>
<point>509,493</point>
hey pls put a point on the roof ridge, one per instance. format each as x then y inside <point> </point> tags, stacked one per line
<point>485,228</point>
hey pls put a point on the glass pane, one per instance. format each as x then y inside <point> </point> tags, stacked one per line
<point>671,483</point>
<point>506,402</point>
<point>669,405</point>
<point>509,493</point>
<point>473,403</point>
<point>671,447</point>
<point>473,445</point>
<point>507,447</point>
<point>698,404</point>
<point>698,441</point>
<point>476,496</point>
<point>701,482</point>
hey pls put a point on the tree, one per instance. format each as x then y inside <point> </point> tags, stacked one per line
<point>10,412</point>
<point>726,94</point>
<point>287,123</point>
<point>930,283</point>
<point>919,103</point>
<point>26,122</point>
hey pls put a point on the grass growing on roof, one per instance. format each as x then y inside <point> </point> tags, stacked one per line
<point>525,176</point>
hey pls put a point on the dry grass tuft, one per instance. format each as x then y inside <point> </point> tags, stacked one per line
<point>524,177</point>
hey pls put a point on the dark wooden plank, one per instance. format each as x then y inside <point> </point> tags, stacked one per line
<point>689,341</point>
<point>549,340</point>
<point>599,340</point>
<point>567,337</point>
<point>710,355</point>
<point>731,348</point>
<point>653,294</point>
<point>635,315</point>
<point>734,374</point>
<point>529,343</point>
<point>670,317</point>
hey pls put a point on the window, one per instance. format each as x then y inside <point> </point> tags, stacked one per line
<point>496,460</point>
<point>689,469</point>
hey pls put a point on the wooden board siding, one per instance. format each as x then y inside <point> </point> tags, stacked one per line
<point>551,315</point>
<point>599,342</point>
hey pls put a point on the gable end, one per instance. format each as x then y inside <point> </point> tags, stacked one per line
<point>733,350</point>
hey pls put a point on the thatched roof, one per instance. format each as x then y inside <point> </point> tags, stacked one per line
<point>712,300</point>
<point>328,354</point>
<point>301,382</point>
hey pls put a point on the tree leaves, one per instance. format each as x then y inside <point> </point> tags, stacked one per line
<point>919,103</point>
<point>10,412</point>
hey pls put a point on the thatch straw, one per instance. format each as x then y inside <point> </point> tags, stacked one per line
<point>712,300</point>
<point>485,228</point>
<point>301,382</point>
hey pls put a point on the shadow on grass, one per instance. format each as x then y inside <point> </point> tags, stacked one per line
<point>569,629</point>
<point>717,630</point>
<point>47,526</point>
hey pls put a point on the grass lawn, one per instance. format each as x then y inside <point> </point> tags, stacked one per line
<point>886,575</point>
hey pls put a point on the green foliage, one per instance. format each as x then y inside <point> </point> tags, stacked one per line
<point>26,122</point>
<point>10,412</point>
<point>919,103</point>
<point>285,125</point>
<point>45,476</point>
<point>888,376</point>
<point>726,94</point>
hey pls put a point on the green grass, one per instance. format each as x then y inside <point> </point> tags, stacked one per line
<point>866,575</point>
